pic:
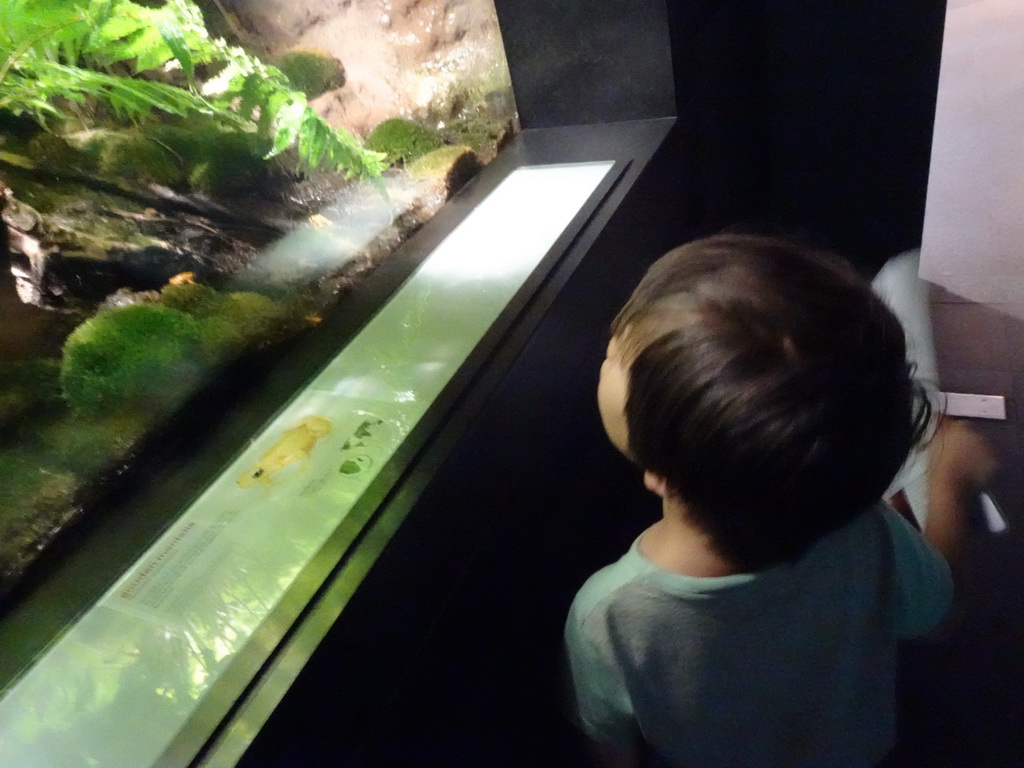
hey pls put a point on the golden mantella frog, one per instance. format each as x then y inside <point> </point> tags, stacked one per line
<point>295,444</point>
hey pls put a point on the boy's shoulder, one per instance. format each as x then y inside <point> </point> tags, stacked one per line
<point>922,580</point>
<point>605,583</point>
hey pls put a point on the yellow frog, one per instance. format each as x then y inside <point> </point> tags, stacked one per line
<point>295,444</point>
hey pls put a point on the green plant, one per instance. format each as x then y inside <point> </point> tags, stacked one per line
<point>63,59</point>
<point>402,140</point>
<point>142,356</point>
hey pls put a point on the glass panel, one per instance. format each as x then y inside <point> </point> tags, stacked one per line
<point>118,687</point>
<point>184,185</point>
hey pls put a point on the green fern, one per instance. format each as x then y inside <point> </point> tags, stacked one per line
<point>59,52</point>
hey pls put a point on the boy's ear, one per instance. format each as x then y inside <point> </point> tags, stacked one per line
<point>656,484</point>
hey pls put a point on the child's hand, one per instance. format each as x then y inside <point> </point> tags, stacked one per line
<point>960,458</point>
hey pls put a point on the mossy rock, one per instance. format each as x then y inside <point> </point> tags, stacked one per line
<point>195,299</point>
<point>30,497</point>
<point>138,357</point>
<point>52,152</point>
<point>88,444</point>
<point>231,163</point>
<point>232,322</point>
<point>472,130</point>
<point>137,156</point>
<point>194,153</point>
<point>402,141</point>
<point>454,165</point>
<point>312,71</point>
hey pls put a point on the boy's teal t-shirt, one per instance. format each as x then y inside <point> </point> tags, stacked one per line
<point>793,666</point>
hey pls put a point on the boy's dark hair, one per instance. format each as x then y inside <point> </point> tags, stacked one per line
<point>769,386</point>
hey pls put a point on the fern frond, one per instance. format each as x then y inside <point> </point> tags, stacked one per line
<point>43,42</point>
<point>35,92</point>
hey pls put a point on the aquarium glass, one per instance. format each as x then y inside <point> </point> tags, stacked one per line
<point>165,644</point>
<point>190,183</point>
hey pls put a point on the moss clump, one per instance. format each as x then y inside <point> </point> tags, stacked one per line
<point>402,141</point>
<point>312,71</point>
<point>454,165</point>
<point>232,322</point>
<point>230,163</point>
<point>247,320</point>
<point>194,299</point>
<point>441,161</point>
<point>138,357</point>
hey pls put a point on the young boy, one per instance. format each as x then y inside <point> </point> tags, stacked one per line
<point>764,391</point>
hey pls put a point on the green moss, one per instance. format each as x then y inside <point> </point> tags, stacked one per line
<point>256,319</point>
<point>193,298</point>
<point>34,503</point>
<point>229,323</point>
<point>402,141</point>
<point>38,376</point>
<point>473,130</point>
<point>48,150</point>
<point>31,496</point>
<point>312,71</point>
<point>135,155</point>
<point>27,385</point>
<point>228,163</point>
<point>138,357</point>
<point>440,161</point>
<point>88,444</point>
<point>186,142</point>
<point>454,165</point>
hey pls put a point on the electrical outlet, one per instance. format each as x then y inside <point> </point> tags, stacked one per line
<point>974,406</point>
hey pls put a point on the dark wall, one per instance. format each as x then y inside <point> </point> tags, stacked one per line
<point>718,51</point>
<point>808,118</point>
<point>575,63</point>
<point>799,117</point>
<point>850,89</point>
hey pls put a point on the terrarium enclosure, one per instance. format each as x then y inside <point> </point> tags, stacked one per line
<point>188,184</point>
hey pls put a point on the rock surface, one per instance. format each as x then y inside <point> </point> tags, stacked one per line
<point>431,60</point>
<point>86,244</point>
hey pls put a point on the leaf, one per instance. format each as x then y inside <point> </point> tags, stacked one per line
<point>268,111</point>
<point>286,125</point>
<point>314,139</point>
<point>148,49</point>
<point>175,40</point>
<point>251,94</point>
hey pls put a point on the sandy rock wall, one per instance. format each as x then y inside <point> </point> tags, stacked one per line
<point>431,60</point>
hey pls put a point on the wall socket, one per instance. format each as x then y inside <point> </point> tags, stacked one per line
<point>974,406</point>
